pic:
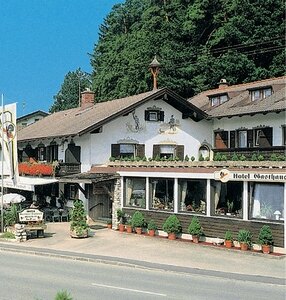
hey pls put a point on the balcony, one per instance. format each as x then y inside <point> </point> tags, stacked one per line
<point>36,169</point>
<point>64,169</point>
<point>249,152</point>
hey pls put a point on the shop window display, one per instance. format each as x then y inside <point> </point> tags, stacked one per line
<point>162,194</point>
<point>266,201</point>
<point>227,198</point>
<point>135,192</point>
<point>192,196</point>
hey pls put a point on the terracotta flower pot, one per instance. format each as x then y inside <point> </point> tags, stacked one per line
<point>172,236</point>
<point>243,246</point>
<point>266,249</point>
<point>151,232</point>
<point>228,243</point>
<point>138,230</point>
<point>121,227</point>
<point>129,228</point>
<point>196,239</point>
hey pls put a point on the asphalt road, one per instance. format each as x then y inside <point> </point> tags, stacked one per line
<point>34,277</point>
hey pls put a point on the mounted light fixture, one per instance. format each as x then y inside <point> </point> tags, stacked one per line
<point>154,67</point>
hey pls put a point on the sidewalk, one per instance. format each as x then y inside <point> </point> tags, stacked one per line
<point>114,247</point>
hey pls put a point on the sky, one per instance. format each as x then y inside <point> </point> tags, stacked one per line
<point>40,42</point>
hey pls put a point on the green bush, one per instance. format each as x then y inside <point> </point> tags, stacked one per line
<point>192,158</point>
<point>121,218</point>
<point>7,235</point>
<point>244,236</point>
<point>78,218</point>
<point>195,227</point>
<point>187,158</point>
<point>201,158</point>
<point>10,215</point>
<point>228,236</point>
<point>137,219</point>
<point>172,225</point>
<point>152,225</point>
<point>235,157</point>
<point>63,295</point>
<point>265,236</point>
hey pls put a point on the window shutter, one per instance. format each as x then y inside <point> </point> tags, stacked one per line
<point>250,138</point>
<point>265,139</point>
<point>161,115</point>
<point>232,139</point>
<point>156,151</point>
<point>180,152</point>
<point>147,115</point>
<point>221,139</point>
<point>48,156</point>
<point>140,150</point>
<point>115,150</point>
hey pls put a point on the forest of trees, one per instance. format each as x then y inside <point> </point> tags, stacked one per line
<point>197,42</point>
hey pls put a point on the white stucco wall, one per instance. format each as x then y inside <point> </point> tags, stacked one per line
<point>272,119</point>
<point>188,133</point>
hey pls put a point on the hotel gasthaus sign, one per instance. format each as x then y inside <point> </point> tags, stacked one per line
<point>225,175</point>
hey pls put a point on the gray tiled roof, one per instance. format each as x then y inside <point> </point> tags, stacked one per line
<point>77,120</point>
<point>239,102</point>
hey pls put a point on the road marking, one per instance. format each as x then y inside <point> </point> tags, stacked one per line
<point>131,290</point>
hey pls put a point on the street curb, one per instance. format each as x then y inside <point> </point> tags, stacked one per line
<point>139,264</point>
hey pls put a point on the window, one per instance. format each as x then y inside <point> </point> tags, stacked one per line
<point>192,196</point>
<point>127,150</point>
<point>162,194</point>
<point>52,152</point>
<point>221,139</point>
<point>263,137</point>
<point>260,94</point>
<point>226,198</point>
<point>219,99</point>
<point>168,151</point>
<point>266,201</point>
<point>70,191</point>
<point>135,192</point>
<point>41,152</point>
<point>242,139</point>
<point>154,115</point>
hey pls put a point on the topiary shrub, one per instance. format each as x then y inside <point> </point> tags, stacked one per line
<point>195,227</point>
<point>78,219</point>
<point>137,219</point>
<point>63,295</point>
<point>172,225</point>
<point>152,225</point>
<point>265,236</point>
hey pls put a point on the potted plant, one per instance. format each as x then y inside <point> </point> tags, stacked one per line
<point>152,227</point>
<point>138,221</point>
<point>195,229</point>
<point>244,238</point>
<point>109,223</point>
<point>228,239</point>
<point>172,226</point>
<point>121,219</point>
<point>128,224</point>
<point>78,227</point>
<point>265,239</point>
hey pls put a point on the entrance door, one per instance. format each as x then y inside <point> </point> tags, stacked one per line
<point>100,206</point>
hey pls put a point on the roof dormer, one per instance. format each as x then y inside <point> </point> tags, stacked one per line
<point>260,93</point>
<point>218,99</point>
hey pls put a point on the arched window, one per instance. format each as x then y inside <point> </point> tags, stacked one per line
<point>204,151</point>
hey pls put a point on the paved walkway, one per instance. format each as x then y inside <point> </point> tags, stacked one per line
<point>152,252</point>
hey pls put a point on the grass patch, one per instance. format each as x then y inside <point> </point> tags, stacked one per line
<point>7,235</point>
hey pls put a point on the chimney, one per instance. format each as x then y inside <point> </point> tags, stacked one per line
<point>87,99</point>
<point>222,84</point>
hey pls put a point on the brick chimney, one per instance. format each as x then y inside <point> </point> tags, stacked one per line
<point>222,84</point>
<point>87,99</point>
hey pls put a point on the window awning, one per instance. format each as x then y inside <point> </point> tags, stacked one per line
<point>28,183</point>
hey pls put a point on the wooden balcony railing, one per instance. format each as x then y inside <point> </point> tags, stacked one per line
<point>64,169</point>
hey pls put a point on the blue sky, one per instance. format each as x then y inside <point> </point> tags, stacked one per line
<point>41,41</point>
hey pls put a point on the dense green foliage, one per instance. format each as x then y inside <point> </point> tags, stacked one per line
<point>78,218</point>
<point>137,219</point>
<point>68,96</point>
<point>265,236</point>
<point>197,42</point>
<point>172,225</point>
<point>195,227</point>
